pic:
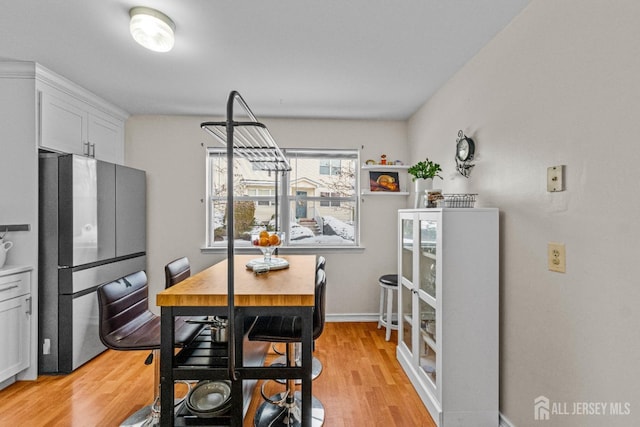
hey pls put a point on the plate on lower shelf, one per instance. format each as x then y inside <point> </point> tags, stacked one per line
<point>209,398</point>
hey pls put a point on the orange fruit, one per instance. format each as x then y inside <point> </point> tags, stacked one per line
<point>264,233</point>
<point>264,241</point>
<point>274,240</point>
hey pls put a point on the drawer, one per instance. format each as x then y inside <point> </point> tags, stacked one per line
<point>14,285</point>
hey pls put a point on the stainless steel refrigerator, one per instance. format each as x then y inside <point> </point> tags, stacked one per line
<point>92,225</point>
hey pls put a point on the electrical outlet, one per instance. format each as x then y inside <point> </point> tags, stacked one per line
<point>556,257</point>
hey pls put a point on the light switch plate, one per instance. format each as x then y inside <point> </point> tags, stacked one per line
<point>555,178</point>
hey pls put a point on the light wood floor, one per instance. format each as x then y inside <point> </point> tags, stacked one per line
<point>362,385</point>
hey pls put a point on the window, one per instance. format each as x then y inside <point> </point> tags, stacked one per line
<point>330,167</point>
<point>328,202</point>
<point>314,208</point>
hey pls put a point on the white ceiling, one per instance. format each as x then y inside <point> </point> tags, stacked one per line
<point>373,59</point>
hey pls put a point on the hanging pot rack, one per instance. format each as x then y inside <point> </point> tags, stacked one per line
<point>251,140</point>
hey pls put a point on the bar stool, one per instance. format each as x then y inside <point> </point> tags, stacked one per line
<point>284,409</point>
<point>388,285</point>
<point>126,323</point>
<point>316,364</point>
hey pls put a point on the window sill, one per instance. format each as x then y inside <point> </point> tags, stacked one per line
<point>285,250</point>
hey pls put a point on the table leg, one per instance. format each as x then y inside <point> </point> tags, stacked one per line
<point>166,372</point>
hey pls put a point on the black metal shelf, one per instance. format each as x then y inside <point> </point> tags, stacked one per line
<point>249,139</point>
<point>204,359</point>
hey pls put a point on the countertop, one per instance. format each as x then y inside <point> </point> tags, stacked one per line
<point>14,269</point>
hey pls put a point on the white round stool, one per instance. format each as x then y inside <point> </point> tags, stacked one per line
<point>388,285</point>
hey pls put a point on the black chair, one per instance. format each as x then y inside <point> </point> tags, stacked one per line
<point>126,324</point>
<point>316,364</point>
<point>175,272</point>
<point>285,408</point>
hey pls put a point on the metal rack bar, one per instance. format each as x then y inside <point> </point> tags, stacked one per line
<point>251,140</point>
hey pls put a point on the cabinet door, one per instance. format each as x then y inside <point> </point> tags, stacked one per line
<point>15,317</point>
<point>406,283</point>
<point>105,139</point>
<point>63,125</point>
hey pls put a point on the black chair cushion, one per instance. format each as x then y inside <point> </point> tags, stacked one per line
<point>276,329</point>
<point>126,323</point>
<point>389,279</point>
<point>289,328</point>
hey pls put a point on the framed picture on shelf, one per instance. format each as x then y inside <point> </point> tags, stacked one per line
<point>384,181</point>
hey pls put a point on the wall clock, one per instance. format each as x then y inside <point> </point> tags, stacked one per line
<point>465,152</point>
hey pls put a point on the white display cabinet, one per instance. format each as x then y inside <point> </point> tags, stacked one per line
<point>448,312</point>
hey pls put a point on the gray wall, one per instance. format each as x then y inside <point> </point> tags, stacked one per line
<point>172,151</point>
<point>558,86</point>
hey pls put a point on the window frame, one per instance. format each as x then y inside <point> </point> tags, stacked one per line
<point>288,197</point>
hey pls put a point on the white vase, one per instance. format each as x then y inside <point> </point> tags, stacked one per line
<point>419,187</point>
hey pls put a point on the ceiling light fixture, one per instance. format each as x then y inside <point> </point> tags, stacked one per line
<point>152,29</point>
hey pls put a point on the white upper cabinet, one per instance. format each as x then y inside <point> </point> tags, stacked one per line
<point>63,126</point>
<point>75,121</point>
<point>105,139</point>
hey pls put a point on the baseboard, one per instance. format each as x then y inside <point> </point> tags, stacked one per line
<point>504,422</point>
<point>356,317</point>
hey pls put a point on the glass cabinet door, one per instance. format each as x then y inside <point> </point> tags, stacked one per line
<point>406,287</point>
<point>407,317</point>
<point>428,235</point>
<point>407,249</point>
<point>427,339</point>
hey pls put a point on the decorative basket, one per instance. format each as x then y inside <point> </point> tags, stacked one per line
<point>459,200</point>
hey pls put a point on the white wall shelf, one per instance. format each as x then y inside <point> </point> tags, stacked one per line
<point>385,167</point>
<point>384,193</point>
<point>402,177</point>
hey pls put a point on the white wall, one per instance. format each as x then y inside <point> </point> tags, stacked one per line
<point>172,151</point>
<point>560,85</point>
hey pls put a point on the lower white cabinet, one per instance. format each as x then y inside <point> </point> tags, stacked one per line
<point>15,324</point>
<point>448,312</point>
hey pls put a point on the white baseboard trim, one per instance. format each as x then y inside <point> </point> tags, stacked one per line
<point>356,317</point>
<point>504,422</point>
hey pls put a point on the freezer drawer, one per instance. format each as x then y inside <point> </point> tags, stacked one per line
<point>80,333</point>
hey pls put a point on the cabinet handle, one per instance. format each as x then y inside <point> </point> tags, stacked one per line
<point>93,150</point>
<point>8,287</point>
<point>85,148</point>
<point>28,300</point>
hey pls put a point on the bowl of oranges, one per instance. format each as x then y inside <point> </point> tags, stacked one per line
<point>267,242</point>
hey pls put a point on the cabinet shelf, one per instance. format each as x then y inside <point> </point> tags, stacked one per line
<point>385,167</point>
<point>384,193</point>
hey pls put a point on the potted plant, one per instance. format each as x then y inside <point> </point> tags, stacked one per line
<point>423,173</point>
<point>425,170</point>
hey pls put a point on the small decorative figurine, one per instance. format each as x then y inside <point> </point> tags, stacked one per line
<point>383,159</point>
